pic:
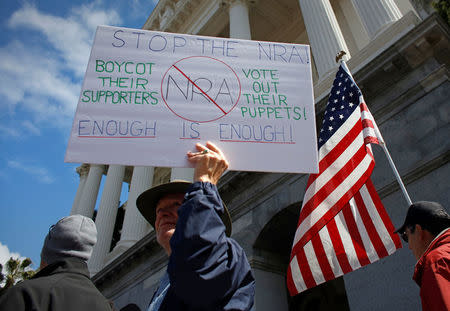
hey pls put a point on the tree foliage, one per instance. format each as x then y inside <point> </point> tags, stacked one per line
<point>443,8</point>
<point>15,270</point>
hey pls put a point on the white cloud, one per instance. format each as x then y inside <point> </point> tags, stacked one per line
<point>71,36</point>
<point>34,73</point>
<point>9,132</point>
<point>22,128</point>
<point>31,127</point>
<point>35,84</point>
<point>41,174</point>
<point>40,77</point>
<point>5,254</point>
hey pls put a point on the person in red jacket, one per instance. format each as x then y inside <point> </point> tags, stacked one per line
<point>427,231</point>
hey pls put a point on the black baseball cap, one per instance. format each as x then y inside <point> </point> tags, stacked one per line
<point>423,213</point>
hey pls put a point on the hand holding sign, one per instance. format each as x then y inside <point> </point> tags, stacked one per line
<point>209,163</point>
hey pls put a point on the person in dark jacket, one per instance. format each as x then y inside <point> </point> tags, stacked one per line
<point>63,282</point>
<point>207,269</point>
<point>427,231</point>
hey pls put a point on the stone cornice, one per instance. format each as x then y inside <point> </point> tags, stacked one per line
<point>231,2</point>
<point>418,172</point>
<point>173,15</point>
<point>229,184</point>
<point>269,267</point>
<point>412,45</point>
<point>168,15</point>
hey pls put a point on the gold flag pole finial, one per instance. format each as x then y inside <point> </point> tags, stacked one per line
<point>339,56</point>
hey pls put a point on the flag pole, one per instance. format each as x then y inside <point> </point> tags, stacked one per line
<point>397,175</point>
<point>339,58</point>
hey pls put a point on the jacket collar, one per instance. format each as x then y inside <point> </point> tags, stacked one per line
<point>441,239</point>
<point>66,265</point>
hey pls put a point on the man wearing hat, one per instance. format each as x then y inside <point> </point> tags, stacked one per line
<point>427,231</point>
<point>63,282</point>
<point>207,270</point>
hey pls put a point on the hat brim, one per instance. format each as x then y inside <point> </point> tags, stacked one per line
<point>401,229</point>
<point>148,200</point>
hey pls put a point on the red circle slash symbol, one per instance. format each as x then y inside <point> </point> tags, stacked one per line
<point>200,89</point>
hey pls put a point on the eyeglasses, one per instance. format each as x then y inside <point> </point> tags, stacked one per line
<point>404,236</point>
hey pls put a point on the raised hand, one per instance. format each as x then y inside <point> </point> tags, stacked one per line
<point>209,161</point>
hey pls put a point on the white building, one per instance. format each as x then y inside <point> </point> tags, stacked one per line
<point>399,54</point>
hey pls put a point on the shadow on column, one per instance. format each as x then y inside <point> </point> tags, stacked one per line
<point>117,226</point>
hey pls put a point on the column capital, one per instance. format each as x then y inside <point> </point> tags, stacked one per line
<point>376,15</point>
<point>83,169</point>
<point>90,190</point>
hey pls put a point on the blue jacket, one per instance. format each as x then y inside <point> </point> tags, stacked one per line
<point>207,270</point>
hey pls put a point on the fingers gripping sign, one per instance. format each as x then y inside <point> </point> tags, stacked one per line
<point>209,163</point>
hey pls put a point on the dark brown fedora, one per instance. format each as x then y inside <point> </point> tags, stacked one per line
<point>147,201</point>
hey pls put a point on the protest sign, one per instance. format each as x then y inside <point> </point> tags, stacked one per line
<point>148,97</point>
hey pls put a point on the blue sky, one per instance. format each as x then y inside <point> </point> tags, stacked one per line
<point>44,49</point>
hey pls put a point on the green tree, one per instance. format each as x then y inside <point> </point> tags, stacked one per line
<point>443,8</point>
<point>15,270</point>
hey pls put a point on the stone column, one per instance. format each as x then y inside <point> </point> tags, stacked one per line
<point>182,173</point>
<point>239,20</point>
<point>134,225</point>
<point>324,34</point>
<point>273,283</point>
<point>83,171</point>
<point>375,15</point>
<point>106,216</point>
<point>90,190</point>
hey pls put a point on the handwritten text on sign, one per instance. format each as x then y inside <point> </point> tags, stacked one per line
<point>148,97</point>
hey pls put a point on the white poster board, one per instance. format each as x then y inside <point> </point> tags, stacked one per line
<point>148,97</point>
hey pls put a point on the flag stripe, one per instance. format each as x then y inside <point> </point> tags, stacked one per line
<point>371,133</point>
<point>326,183</point>
<point>351,129</point>
<point>338,246</point>
<point>318,218</point>
<point>383,222</point>
<point>338,179</point>
<point>313,264</point>
<point>337,160</point>
<point>365,228</point>
<point>373,225</point>
<point>347,241</point>
<point>355,235</point>
<point>302,262</point>
<point>322,259</point>
<point>329,252</point>
<point>295,278</point>
<point>342,225</point>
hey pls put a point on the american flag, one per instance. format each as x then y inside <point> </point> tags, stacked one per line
<point>343,224</point>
